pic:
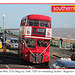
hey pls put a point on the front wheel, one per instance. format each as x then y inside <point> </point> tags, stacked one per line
<point>21,59</point>
<point>73,57</point>
<point>47,63</point>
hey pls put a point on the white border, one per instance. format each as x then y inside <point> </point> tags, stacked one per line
<point>38,37</point>
<point>37,1</point>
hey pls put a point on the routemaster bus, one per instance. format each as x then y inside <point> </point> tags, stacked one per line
<point>35,34</point>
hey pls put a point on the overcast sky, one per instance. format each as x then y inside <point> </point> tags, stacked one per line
<point>15,12</point>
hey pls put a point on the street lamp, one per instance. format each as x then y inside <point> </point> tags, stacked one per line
<point>4,43</point>
<point>3,29</point>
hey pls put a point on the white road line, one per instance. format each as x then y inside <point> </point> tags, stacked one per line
<point>7,66</point>
<point>22,65</point>
<point>30,67</point>
<point>1,61</point>
<point>13,52</point>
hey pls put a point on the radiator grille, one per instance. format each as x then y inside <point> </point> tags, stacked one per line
<point>36,58</point>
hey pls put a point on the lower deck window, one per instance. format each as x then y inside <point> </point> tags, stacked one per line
<point>42,43</point>
<point>31,43</point>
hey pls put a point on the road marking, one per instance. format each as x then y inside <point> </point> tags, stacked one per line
<point>1,61</point>
<point>7,66</point>
<point>55,57</point>
<point>13,52</point>
<point>30,67</point>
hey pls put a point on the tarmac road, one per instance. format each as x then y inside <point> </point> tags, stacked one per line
<point>10,59</point>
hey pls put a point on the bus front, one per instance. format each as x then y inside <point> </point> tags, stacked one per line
<point>38,33</point>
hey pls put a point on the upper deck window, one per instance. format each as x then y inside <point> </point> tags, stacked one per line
<point>33,22</point>
<point>44,23</point>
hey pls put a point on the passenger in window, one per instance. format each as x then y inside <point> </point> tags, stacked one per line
<point>42,25</point>
<point>44,44</point>
<point>47,25</point>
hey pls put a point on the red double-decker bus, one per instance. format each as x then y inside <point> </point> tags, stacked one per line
<point>34,38</point>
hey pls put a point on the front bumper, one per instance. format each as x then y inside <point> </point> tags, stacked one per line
<point>14,47</point>
<point>37,58</point>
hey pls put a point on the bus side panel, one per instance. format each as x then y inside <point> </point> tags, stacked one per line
<point>20,48</point>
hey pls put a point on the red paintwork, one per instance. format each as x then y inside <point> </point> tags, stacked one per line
<point>39,17</point>
<point>36,17</point>
<point>37,50</point>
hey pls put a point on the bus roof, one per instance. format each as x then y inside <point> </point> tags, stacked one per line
<point>38,17</point>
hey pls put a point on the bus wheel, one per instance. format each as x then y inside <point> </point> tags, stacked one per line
<point>21,59</point>
<point>18,54</point>
<point>47,64</point>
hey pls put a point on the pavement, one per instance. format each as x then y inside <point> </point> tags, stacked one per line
<point>60,52</point>
<point>9,59</point>
<point>1,50</point>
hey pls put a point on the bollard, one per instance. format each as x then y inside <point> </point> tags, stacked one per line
<point>0,44</point>
<point>4,47</point>
<point>71,44</point>
<point>64,45</point>
<point>59,43</point>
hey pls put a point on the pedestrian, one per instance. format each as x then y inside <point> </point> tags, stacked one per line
<point>73,47</point>
<point>9,32</point>
<point>61,41</point>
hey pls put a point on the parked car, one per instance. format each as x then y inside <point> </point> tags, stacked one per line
<point>1,38</point>
<point>12,43</point>
<point>73,57</point>
<point>63,64</point>
<point>1,35</point>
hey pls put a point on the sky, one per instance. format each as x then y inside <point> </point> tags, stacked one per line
<point>14,13</point>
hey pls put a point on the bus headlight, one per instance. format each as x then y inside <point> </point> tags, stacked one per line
<point>26,55</point>
<point>46,57</point>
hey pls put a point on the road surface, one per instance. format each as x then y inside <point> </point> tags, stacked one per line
<point>10,60</point>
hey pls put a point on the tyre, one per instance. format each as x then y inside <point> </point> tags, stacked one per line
<point>73,57</point>
<point>47,63</point>
<point>21,59</point>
